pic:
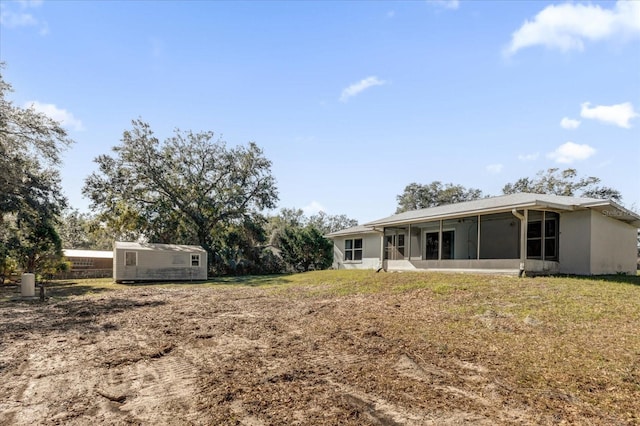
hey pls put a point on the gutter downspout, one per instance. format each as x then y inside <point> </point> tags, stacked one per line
<point>523,239</point>
<point>381,264</point>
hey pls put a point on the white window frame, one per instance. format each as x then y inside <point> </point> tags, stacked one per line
<point>543,238</point>
<point>192,259</point>
<point>125,258</point>
<point>353,250</point>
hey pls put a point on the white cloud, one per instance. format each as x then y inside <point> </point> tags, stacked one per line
<point>17,19</point>
<point>568,123</point>
<point>360,86</point>
<point>62,116</point>
<point>619,114</point>
<point>495,168</point>
<point>31,3</point>
<point>528,157</point>
<point>570,152</point>
<point>391,14</point>
<point>567,26</point>
<point>313,208</point>
<point>12,18</point>
<point>447,4</point>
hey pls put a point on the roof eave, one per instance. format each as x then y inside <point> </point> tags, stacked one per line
<point>347,234</point>
<point>617,212</point>
<point>474,212</point>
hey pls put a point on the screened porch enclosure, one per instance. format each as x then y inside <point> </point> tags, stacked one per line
<point>474,241</point>
<point>518,233</point>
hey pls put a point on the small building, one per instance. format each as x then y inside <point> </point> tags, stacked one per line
<point>158,262</point>
<point>533,233</point>
<point>88,264</point>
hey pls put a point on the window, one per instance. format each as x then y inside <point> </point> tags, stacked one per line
<point>545,237</point>
<point>433,242</point>
<point>550,238</point>
<point>353,249</point>
<point>534,239</point>
<point>195,260</point>
<point>130,258</point>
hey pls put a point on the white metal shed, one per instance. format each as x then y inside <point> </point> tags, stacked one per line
<point>158,262</point>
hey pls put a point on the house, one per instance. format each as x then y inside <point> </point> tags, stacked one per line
<point>158,262</point>
<point>517,233</point>
<point>88,264</point>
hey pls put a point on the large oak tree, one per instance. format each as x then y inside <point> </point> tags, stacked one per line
<point>186,189</point>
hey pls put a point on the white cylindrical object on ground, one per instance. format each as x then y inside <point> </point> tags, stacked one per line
<point>28,285</point>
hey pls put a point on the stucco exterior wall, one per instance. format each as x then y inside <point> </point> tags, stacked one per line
<point>370,252</point>
<point>613,246</point>
<point>593,244</point>
<point>159,265</point>
<point>574,251</point>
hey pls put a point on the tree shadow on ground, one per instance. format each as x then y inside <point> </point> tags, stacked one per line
<point>64,289</point>
<point>243,280</point>
<point>53,289</point>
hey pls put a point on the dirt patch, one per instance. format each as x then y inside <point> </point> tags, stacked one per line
<point>247,356</point>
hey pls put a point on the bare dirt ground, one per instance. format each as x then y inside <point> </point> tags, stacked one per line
<point>247,356</point>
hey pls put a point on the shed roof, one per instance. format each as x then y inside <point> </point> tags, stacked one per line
<point>157,247</point>
<point>509,202</point>
<point>96,254</point>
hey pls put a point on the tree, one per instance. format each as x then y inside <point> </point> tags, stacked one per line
<point>300,239</point>
<point>323,222</point>
<point>73,230</point>
<point>305,248</point>
<point>31,198</point>
<point>186,189</point>
<point>84,231</point>
<point>416,196</point>
<point>327,223</point>
<point>288,218</point>
<point>36,244</point>
<point>244,249</point>
<point>562,182</point>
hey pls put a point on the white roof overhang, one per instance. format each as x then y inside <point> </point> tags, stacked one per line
<point>473,212</point>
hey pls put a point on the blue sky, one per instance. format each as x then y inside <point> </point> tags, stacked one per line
<point>351,101</point>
